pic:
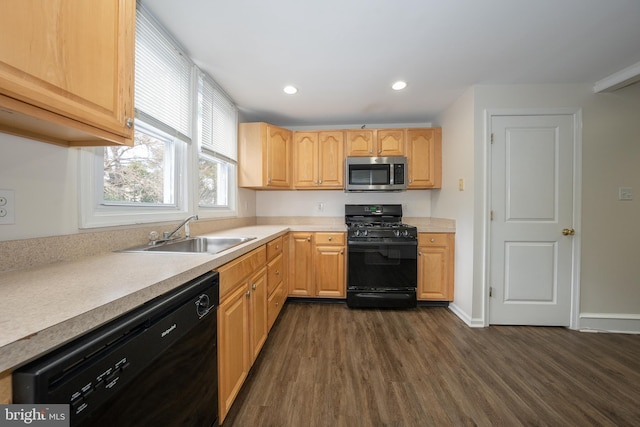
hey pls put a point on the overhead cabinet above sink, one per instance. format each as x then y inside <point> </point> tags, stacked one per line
<point>66,71</point>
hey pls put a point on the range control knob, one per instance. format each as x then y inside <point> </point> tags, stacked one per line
<point>396,233</point>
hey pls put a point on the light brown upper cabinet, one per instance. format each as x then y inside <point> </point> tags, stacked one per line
<point>264,156</point>
<point>318,160</point>
<point>66,71</point>
<point>424,157</point>
<point>375,142</point>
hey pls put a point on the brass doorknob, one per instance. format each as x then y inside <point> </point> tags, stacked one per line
<point>568,231</point>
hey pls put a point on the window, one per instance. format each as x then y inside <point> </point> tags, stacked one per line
<point>217,136</point>
<point>179,164</point>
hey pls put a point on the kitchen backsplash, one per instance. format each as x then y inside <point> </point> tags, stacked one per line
<point>28,253</point>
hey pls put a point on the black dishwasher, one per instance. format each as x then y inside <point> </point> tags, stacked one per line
<point>154,366</point>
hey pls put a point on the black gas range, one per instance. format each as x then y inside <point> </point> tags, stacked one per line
<point>382,257</point>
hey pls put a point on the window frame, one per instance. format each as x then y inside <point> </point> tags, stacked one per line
<point>93,213</point>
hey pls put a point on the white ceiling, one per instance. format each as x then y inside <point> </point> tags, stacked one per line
<point>343,55</point>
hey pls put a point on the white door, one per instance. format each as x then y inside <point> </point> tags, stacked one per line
<point>532,201</point>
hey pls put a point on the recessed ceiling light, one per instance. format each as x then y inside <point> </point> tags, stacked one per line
<point>399,85</point>
<point>290,90</point>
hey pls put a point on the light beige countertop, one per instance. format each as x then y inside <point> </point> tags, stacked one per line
<point>44,307</point>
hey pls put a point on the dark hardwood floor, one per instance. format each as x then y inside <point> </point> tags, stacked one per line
<point>328,365</point>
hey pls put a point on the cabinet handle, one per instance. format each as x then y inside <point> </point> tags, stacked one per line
<point>248,294</point>
<point>129,122</point>
<point>269,180</point>
<point>308,239</point>
<point>253,287</point>
<point>277,273</point>
<point>277,247</point>
<point>341,252</point>
<point>277,304</point>
<point>433,240</point>
<point>419,253</point>
<point>330,238</point>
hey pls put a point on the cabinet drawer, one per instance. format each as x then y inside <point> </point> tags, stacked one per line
<point>275,304</point>
<point>274,274</point>
<point>433,239</point>
<point>274,248</point>
<point>233,273</point>
<point>329,239</point>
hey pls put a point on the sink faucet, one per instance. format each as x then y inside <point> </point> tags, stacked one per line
<point>167,234</point>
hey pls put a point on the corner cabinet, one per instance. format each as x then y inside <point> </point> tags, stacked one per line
<point>301,265</point>
<point>424,157</point>
<point>318,160</point>
<point>317,265</point>
<point>329,265</point>
<point>435,266</point>
<point>264,156</point>
<point>66,71</point>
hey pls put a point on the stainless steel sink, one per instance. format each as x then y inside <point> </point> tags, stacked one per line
<point>212,245</point>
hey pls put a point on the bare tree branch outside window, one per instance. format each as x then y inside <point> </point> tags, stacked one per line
<point>135,174</point>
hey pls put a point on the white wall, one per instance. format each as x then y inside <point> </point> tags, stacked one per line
<point>44,178</point>
<point>457,163</point>
<point>610,271</point>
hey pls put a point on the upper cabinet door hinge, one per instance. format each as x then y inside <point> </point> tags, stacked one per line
<point>490,291</point>
<point>492,137</point>
<point>491,215</point>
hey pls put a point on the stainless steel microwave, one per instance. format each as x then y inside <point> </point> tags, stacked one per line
<point>376,174</point>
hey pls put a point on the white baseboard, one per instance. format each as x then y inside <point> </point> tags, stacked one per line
<point>473,323</point>
<point>610,322</point>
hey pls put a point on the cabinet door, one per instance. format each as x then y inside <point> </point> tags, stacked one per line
<point>305,159</point>
<point>360,143</point>
<point>300,265</point>
<point>331,160</point>
<point>424,154</point>
<point>258,320</point>
<point>330,271</point>
<point>5,389</point>
<point>435,266</point>
<point>390,142</point>
<point>233,347</point>
<point>73,60</point>
<point>278,157</point>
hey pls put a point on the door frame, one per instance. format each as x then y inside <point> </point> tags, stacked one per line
<point>576,113</point>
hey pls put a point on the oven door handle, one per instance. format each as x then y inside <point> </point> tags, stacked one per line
<point>370,243</point>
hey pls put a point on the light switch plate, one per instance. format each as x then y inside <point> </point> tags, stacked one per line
<point>625,193</point>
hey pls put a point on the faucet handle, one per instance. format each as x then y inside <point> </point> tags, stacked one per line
<point>153,236</point>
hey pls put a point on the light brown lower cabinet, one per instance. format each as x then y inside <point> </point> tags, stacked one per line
<point>300,265</point>
<point>435,266</point>
<point>242,323</point>
<point>5,388</point>
<point>329,265</point>
<point>317,265</point>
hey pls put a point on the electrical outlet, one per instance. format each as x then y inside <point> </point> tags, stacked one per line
<point>7,207</point>
<point>461,184</point>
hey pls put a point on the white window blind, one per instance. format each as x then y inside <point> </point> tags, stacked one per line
<point>218,120</point>
<point>162,80</point>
